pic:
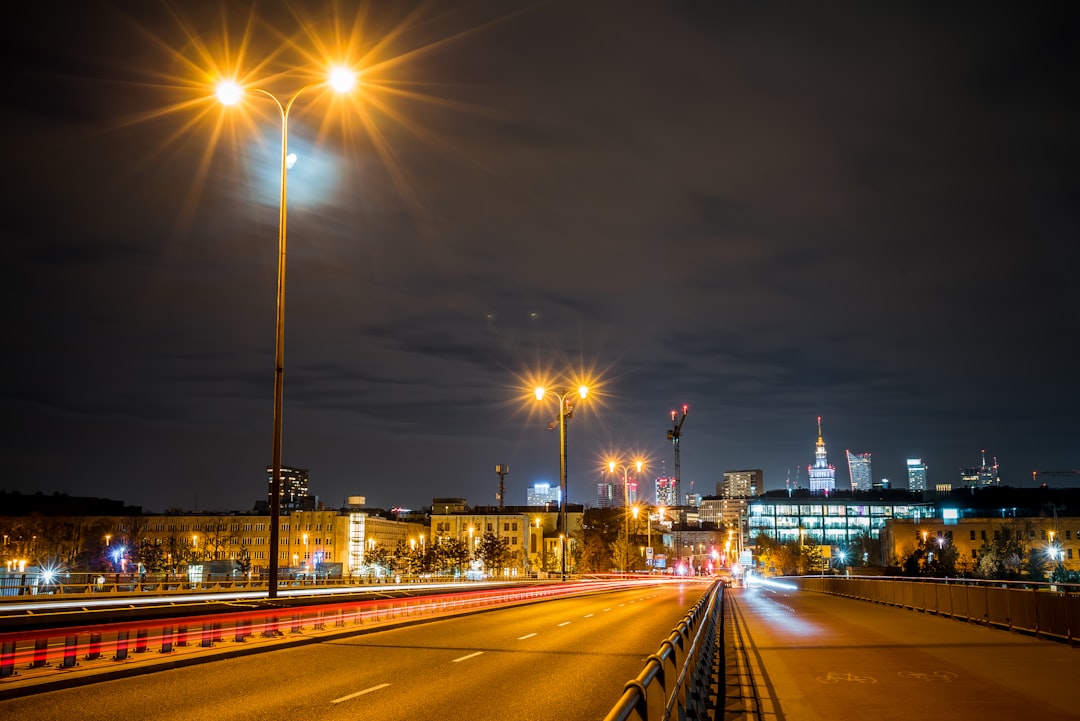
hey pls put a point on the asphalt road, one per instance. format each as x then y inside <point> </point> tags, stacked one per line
<point>563,660</point>
<point>813,656</point>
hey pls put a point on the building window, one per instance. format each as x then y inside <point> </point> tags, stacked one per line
<point>1068,535</point>
<point>982,534</point>
<point>513,540</point>
<point>974,553</point>
<point>972,534</point>
<point>513,526</point>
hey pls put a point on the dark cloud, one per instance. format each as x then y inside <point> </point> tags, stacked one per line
<point>770,212</point>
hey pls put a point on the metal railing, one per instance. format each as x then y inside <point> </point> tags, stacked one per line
<point>93,584</point>
<point>1043,609</point>
<point>677,680</point>
<point>38,651</point>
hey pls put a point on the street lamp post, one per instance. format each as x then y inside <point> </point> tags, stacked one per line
<point>230,93</point>
<point>612,465</point>
<point>566,409</point>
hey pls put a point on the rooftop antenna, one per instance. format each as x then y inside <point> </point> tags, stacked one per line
<point>502,469</point>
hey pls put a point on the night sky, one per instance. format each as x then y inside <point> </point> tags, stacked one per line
<point>770,212</point>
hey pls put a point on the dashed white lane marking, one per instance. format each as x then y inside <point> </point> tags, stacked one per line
<point>564,623</point>
<point>528,635</point>
<point>606,610</point>
<point>360,693</point>
<point>588,615</point>
<point>463,658</point>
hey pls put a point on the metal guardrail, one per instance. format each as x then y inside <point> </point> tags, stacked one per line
<point>677,679</point>
<point>1045,610</point>
<point>20,588</point>
<point>28,651</point>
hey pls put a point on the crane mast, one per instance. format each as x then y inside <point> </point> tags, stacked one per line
<point>675,433</point>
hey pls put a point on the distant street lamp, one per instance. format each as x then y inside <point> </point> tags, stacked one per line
<point>566,409</point>
<point>612,465</point>
<point>229,93</point>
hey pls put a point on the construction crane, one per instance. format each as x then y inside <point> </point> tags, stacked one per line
<point>1035,474</point>
<point>676,432</point>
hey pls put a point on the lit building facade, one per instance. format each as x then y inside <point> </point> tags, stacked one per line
<point>1052,540</point>
<point>859,468</point>
<point>822,476</point>
<point>741,484</point>
<point>531,532</point>
<point>836,521</point>
<point>668,492</point>
<point>916,474</point>
<point>294,489</point>
<point>980,476</point>
<point>542,493</point>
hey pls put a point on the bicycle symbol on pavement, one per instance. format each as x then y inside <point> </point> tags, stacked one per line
<point>834,677</point>
<point>946,676</point>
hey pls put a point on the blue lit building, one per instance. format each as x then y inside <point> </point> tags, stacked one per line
<point>835,521</point>
<point>822,475</point>
<point>916,474</point>
<point>860,470</point>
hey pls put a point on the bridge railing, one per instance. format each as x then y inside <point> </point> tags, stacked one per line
<point>676,680</point>
<point>1042,609</point>
<point>22,586</point>
<point>30,651</point>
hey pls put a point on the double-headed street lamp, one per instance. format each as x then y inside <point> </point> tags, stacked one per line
<point>566,409</point>
<point>229,92</point>
<point>612,465</point>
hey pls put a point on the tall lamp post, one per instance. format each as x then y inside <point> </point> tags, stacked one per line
<point>229,93</point>
<point>566,409</point>
<point>612,465</point>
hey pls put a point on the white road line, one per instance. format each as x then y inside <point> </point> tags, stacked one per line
<point>360,693</point>
<point>463,658</point>
<point>528,635</point>
<point>588,615</point>
<point>564,623</point>
<point>606,610</point>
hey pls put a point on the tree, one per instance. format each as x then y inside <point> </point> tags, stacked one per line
<point>1006,555</point>
<point>243,562</point>
<point>151,556</point>
<point>626,555</point>
<point>380,557</point>
<point>493,551</point>
<point>452,554</point>
<point>810,559</point>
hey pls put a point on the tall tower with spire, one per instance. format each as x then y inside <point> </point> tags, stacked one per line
<point>822,475</point>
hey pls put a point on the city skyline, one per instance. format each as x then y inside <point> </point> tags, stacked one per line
<point>855,212</point>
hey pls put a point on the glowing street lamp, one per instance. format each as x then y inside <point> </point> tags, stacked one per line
<point>566,409</point>
<point>612,465</point>
<point>341,79</point>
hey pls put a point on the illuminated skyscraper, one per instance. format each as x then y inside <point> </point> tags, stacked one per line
<point>859,467</point>
<point>541,494</point>
<point>982,475</point>
<point>741,484</point>
<point>610,495</point>
<point>668,492</point>
<point>916,474</point>
<point>822,475</point>
<point>294,490</point>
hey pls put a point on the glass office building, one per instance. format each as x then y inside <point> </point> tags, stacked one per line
<point>835,521</point>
